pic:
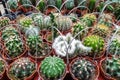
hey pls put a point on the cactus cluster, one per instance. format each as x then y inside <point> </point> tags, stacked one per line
<point>112,67</point>
<point>83,69</point>
<point>96,43</point>
<point>4,21</point>
<point>2,66</point>
<point>89,19</point>
<point>63,23</point>
<point>101,30</point>
<point>52,67</point>
<point>21,69</point>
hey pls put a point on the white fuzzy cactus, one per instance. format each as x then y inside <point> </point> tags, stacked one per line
<point>67,44</point>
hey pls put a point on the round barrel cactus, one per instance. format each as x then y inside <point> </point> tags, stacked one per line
<point>96,43</point>
<point>52,67</point>
<point>4,21</point>
<point>21,69</point>
<point>83,69</point>
<point>2,66</point>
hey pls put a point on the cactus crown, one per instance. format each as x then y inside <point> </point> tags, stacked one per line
<point>63,23</point>
<point>83,69</point>
<point>21,68</point>
<point>2,66</point>
<point>95,42</point>
<point>4,21</point>
<point>112,67</point>
<point>52,67</point>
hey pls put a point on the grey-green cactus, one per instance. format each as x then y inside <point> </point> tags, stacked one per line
<point>96,43</point>
<point>21,69</point>
<point>112,67</point>
<point>69,4</point>
<point>4,21</point>
<point>83,69</point>
<point>52,67</point>
<point>12,4</point>
<point>63,23</point>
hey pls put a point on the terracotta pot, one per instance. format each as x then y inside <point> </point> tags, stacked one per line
<point>26,78</point>
<point>97,69</point>
<point>102,70</point>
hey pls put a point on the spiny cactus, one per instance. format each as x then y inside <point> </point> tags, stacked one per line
<point>41,5</point>
<point>96,43</point>
<point>52,67</point>
<point>89,19</point>
<point>4,21</point>
<point>2,66</point>
<point>44,22</point>
<point>12,4</point>
<point>114,46</point>
<point>112,67</point>
<point>69,4</point>
<point>101,30</point>
<point>83,69</point>
<point>21,69</point>
<point>14,46</point>
<point>63,23</point>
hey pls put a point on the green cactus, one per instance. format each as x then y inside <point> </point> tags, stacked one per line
<point>69,4</point>
<point>96,43</point>
<point>14,46</point>
<point>52,67</point>
<point>91,5</point>
<point>26,3</point>
<point>41,5</point>
<point>4,21</point>
<point>112,67</point>
<point>89,19</point>
<point>12,4</point>
<point>63,23</point>
<point>114,46</point>
<point>21,69</point>
<point>73,17</point>
<point>83,69</point>
<point>9,31</point>
<point>2,66</point>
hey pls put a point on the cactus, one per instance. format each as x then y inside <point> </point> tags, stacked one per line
<point>83,69</point>
<point>63,23</point>
<point>26,3</point>
<point>69,4</point>
<point>4,21</point>
<point>44,22</point>
<point>21,69</point>
<point>114,46</point>
<point>101,30</point>
<point>96,43</point>
<point>52,67</point>
<point>89,19</point>
<point>73,17</point>
<point>112,67</point>
<point>2,66</point>
<point>12,4</point>
<point>41,5</point>
<point>14,46</point>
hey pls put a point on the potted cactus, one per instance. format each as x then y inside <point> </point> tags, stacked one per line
<point>2,67</point>
<point>12,4</point>
<point>52,68</point>
<point>110,68</point>
<point>84,69</point>
<point>4,21</point>
<point>21,69</point>
<point>37,48</point>
<point>96,43</point>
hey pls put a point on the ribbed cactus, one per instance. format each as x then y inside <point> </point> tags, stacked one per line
<point>4,21</point>
<point>101,30</point>
<point>12,4</point>
<point>41,5</point>
<point>21,69</point>
<point>83,69</point>
<point>95,42</point>
<point>52,67</point>
<point>112,67</point>
<point>69,4</point>
<point>89,19</point>
<point>114,46</point>
<point>63,23</point>
<point>2,66</point>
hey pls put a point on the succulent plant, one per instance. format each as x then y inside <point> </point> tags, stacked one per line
<point>21,69</point>
<point>117,10</point>
<point>73,17</point>
<point>44,22</point>
<point>41,5</point>
<point>14,46</point>
<point>96,43</point>
<point>4,21</point>
<point>114,46</point>
<point>91,5</point>
<point>89,19</point>
<point>26,3</point>
<point>101,30</point>
<point>64,45</point>
<point>63,23</point>
<point>52,67</point>
<point>69,4</point>
<point>112,67</point>
<point>12,4</point>
<point>2,66</point>
<point>83,69</point>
